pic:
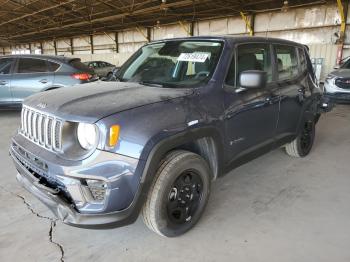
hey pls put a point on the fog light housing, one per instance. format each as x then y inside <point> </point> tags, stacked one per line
<point>98,189</point>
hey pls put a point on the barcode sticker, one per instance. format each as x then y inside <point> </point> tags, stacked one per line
<point>193,57</point>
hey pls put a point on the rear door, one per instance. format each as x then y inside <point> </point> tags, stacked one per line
<point>293,88</point>
<point>6,65</point>
<point>31,75</point>
<point>250,115</point>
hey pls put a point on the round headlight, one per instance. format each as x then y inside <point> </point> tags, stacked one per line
<point>87,135</point>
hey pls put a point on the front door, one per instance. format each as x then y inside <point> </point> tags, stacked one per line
<point>5,80</point>
<point>31,75</point>
<point>251,115</point>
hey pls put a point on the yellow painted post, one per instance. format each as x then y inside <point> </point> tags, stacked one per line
<point>247,23</point>
<point>185,28</point>
<point>342,31</point>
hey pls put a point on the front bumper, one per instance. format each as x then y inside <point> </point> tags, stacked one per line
<point>336,94</point>
<point>338,98</point>
<point>119,172</point>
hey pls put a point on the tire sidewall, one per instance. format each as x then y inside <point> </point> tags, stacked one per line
<point>301,151</point>
<point>164,225</point>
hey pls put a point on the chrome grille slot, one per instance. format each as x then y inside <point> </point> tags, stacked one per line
<point>35,126</point>
<point>57,134</point>
<point>41,129</point>
<point>48,141</point>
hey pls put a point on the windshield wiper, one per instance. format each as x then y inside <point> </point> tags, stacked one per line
<point>150,83</point>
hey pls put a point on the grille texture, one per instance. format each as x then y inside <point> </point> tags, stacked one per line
<point>343,83</point>
<point>42,129</point>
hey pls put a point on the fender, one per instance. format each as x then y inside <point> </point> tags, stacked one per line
<point>157,153</point>
<point>310,110</point>
<point>167,144</point>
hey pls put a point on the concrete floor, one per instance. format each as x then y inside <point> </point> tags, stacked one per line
<point>275,208</point>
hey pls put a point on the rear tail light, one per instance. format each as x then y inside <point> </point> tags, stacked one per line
<point>82,76</point>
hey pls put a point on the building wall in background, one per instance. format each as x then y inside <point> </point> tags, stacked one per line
<point>316,27</point>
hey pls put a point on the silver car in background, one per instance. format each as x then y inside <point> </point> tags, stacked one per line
<point>24,75</point>
<point>337,84</point>
<point>102,69</point>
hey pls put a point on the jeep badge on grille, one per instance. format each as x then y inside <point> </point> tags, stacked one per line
<point>42,105</point>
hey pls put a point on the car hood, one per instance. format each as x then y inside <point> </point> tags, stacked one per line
<point>93,101</point>
<point>342,72</point>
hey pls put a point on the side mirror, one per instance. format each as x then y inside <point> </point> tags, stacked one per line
<point>253,79</point>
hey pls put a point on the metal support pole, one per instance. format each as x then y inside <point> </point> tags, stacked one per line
<point>192,28</point>
<point>71,46</point>
<point>143,34</point>
<point>248,23</point>
<point>343,11</point>
<point>55,46</point>
<point>148,34</point>
<point>185,28</point>
<point>92,44</point>
<point>41,48</point>
<point>30,48</point>
<point>116,42</point>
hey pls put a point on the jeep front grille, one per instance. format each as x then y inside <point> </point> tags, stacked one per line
<point>41,129</point>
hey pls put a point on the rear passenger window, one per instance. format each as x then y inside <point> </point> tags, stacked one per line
<point>53,66</point>
<point>287,62</point>
<point>31,65</point>
<point>254,57</point>
<point>302,60</point>
<point>5,65</point>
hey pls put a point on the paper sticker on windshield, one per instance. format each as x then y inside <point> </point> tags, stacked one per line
<point>193,57</point>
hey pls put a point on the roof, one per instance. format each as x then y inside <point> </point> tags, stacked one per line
<point>62,59</point>
<point>235,39</point>
<point>23,21</point>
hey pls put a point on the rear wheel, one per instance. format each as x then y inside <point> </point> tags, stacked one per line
<point>179,194</point>
<point>302,145</point>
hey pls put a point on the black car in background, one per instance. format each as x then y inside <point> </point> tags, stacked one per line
<point>24,75</point>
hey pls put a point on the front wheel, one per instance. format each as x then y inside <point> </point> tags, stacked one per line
<point>302,145</point>
<point>179,194</point>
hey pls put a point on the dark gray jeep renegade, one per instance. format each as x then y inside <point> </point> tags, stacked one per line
<point>182,113</point>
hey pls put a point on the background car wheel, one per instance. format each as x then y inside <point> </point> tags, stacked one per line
<point>302,145</point>
<point>109,76</point>
<point>178,195</point>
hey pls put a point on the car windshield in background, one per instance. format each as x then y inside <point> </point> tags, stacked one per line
<point>173,63</point>
<point>345,63</point>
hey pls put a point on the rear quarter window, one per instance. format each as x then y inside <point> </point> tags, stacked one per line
<point>53,66</point>
<point>287,62</point>
<point>302,60</point>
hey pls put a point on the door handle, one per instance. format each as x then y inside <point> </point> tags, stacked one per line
<point>301,94</point>
<point>3,83</point>
<point>43,81</point>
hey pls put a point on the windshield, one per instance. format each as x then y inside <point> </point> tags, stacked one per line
<point>346,64</point>
<point>172,63</point>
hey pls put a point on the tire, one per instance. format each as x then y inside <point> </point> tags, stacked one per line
<point>179,194</point>
<point>302,145</point>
